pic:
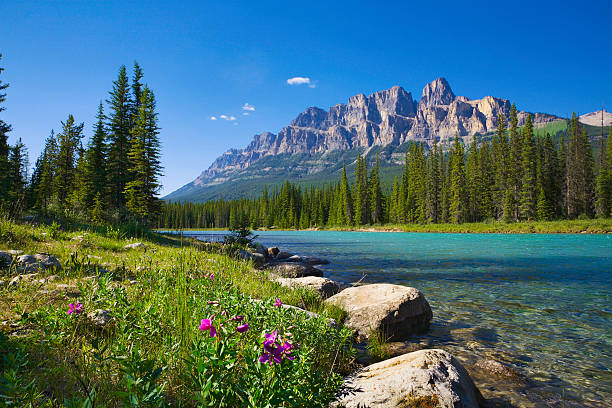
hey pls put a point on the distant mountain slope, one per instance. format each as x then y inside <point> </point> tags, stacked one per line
<point>594,118</point>
<point>314,142</point>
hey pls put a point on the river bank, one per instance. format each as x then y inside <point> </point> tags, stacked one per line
<point>590,226</point>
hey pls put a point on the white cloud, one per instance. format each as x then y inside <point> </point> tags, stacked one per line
<point>247,107</point>
<point>245,113</point>
<point>301,81</point>
<point>213,118</point>
<point>225,117</point>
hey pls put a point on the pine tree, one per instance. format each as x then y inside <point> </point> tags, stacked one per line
<point>18,176</point>
<point>604,179</point>
<point>145,169</point>
<point>580,188</point>
<point>345,213</point>
<point>68,140</point>
<point>5,128</point>
<point>433,186</point>
<point>528,165</point>
<point>458,198</point>
<point>96,161</point>
<point>499,148</point>
<point>515,163</point>
<point>44,189</point>
<point>376,196</point>
<point>119,127</point>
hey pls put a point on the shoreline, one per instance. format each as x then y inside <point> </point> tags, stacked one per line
<point>595,226</point>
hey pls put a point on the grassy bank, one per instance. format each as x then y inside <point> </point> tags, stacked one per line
<point>591,226</point>
<point>156,350</point>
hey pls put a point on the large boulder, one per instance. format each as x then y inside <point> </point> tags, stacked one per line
<point>325,287</point>
<point>432,377</point>
<point>397,311</point>
<point>257,258</point>
<point>295,270</point>
<point>273,251</point>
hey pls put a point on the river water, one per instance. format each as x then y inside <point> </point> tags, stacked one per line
<point>540,304</point>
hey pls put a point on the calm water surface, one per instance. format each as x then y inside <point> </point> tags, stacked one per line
<point>539,303</point>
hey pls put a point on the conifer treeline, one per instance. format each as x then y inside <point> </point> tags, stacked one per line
<point>517,176</point>
<point>114,178</point>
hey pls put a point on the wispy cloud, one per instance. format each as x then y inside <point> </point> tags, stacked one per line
<point>225,117</point>
<point>245,113</point>
<point>247,107</point>
<point>213,118</point>
<point>302,81</point>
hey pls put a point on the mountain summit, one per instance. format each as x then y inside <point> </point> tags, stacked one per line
<point>385,118</point>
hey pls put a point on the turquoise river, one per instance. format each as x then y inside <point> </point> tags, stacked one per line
<point>541,304</point>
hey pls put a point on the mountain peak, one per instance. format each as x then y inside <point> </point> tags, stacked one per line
<point>437,92</point>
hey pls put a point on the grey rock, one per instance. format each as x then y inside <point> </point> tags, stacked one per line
<point>17,280</point>
<point>26,259</point>
<point>15,252</point>
<point>5,259</point>
<point>135,245</point>
<point>100,317</point>
<point>401,381</point>
<point>258,259</point>
<point>495,368</point>
<point>283,255</point>
<point>311,260</point>
<point>260,249</point>
<point>47,261</point>
<point>325,287</point>
<point>273,251</point>
<point>295,270</point>
<point>293,258</point>
<point>398,311</point>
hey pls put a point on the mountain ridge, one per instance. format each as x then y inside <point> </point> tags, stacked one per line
<point>390,117</point>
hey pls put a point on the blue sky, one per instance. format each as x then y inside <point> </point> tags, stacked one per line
<point>207,59</point>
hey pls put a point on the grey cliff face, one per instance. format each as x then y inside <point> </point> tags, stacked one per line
<point>389,117</point>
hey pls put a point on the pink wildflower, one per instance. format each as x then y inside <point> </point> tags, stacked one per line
<point>75,308</point>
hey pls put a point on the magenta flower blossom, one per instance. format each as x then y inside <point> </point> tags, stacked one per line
<point>238,318</point>
<point>275,349</point>
<point>211,276</point>
<point>206,325</point>
<point>75,308</point>
<point>278,303</point>
<point>242,328</point>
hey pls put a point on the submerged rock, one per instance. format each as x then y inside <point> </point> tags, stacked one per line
<point>425,376</point>
<point>397,311</point>
<point>325,287</point>
<point>295,270</point>
<point>311,260</point>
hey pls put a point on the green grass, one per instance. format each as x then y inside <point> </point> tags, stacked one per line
<point>153,353</point>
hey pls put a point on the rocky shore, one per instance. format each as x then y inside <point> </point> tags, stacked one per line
<point>431,377</point>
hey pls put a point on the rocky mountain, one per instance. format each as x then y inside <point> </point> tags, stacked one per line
<point>387,118</point>
<point>594,118</point>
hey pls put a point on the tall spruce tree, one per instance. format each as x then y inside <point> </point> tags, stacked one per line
<point>499,148</point>
<point>604,179</point>
<point>5,128</point>
<point>580,186</point>
<point>528,166</point>
<point>18,177</point>
<point>345,205</point>
<point>44,189</point>
<point>119,127</point>
<point>457,191</point>
<point>376,196</point>
<point>95,162</point>
<point>68,141</point>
